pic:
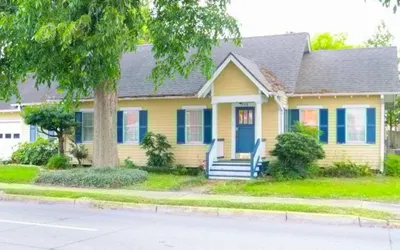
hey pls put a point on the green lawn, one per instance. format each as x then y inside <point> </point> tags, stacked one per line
<point>18,174</point>
<point>169,182</point>
<point>369,188</point>
<point>207,203</point>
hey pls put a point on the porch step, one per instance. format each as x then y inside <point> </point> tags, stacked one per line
<point>232,170</point>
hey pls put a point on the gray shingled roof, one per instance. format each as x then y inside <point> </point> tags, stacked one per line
<point>349,71</point>
<point>279,58</point>
<point>254,71</point>
<point>29,94</point>
<point>282,54</point>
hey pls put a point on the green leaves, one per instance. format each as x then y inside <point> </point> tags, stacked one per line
<point>328,41</point>
<point>78,44</point>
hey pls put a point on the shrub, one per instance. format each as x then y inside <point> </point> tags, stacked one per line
<point>79,151</point>
<point>295,152</point>
<point>392,165</point>
<point>59,162</point>
<point>128,163</point>
<point>34,153</point>
<point>108,177</point>
<point>178,170</point>
<point>157,150</point>
<point>346,169</point>
<point>307,130</point>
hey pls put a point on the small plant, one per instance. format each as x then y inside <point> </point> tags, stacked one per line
<point>295,152</point>
<point>347,169</point>
<point>307,130</point>
<point>34,153</point>
<point>107,177</point>
<point>157,150</point>
<point>79,152</point>
<point>392,165</point>
<point>128,163</point>
<point>59,162</point>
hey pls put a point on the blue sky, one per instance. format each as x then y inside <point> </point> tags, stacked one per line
<point>358,18</point>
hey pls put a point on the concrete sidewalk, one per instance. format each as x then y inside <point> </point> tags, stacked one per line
<point>381,206</point>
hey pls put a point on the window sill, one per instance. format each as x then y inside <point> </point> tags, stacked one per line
<point>130,143</point>
<point>194,144</point>
<point>86,143</point>
<point>357,144</point>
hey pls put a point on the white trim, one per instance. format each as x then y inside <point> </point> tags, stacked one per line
<point>258,122</point>
<point>343,94</point>
<point>231,58</point>
<point>382,130</point>
<point>310,107</point>
<point>10,110</point>
<point>238,98</point>
<point>198,107</point>
<point>146,98</point>
<point>86,110</point>
<point>352,106</point>
<point>130,109</point>
<point>10,121</point>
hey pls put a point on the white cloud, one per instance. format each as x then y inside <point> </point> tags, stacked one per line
<point>355,17</point>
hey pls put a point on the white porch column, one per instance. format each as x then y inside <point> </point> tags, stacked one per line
<point>258,120</point>
<point>215,122</point>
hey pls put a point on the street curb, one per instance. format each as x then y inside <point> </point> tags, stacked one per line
<point>315,218</point>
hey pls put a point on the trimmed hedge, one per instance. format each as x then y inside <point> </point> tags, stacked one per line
<point>59,162</point>
<point>347,170</point>
<point>392,165</point>
<point>108,177</point>
<point>179,170</point>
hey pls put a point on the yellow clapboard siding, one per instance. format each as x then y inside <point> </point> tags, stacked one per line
<point>232,81</point>
<point>225,127</point>
<point>162,119</point>
<point>338,152</point>
<point>269,124</point>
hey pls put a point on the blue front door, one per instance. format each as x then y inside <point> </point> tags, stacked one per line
<point>245,121</point>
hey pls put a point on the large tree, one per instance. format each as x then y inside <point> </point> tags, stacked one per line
<point>328,41</point>
<point>79,43</point>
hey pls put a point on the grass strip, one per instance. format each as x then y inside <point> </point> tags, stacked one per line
<point>367,213</point>
<point>18,173</point>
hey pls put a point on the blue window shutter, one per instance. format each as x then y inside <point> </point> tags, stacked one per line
<point>51,134</point>
<point>323,125</point>
<point>33,133</point>
<point>143,124</point>
<point>180,131</point>
<point>120,126</point>
<point>371,125</point>
<point>294,117</point>
<point>207,126</point>
<point>341,126</point>
<point>78,129</point>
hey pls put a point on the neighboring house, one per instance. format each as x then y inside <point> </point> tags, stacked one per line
<point>257,92</point>
<point>13,130</point>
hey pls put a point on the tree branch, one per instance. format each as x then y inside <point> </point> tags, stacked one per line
<point>42,131</point>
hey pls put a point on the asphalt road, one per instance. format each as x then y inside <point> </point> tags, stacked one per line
<point>26,226</point>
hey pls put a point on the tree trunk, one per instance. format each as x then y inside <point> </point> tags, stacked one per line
<point>105,152</point>
<point>61,150</point>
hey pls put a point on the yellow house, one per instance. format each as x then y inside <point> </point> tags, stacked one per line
<point>229,123</point>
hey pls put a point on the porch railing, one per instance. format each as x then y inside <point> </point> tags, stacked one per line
<point>255,157</point>
<point>211,156</point>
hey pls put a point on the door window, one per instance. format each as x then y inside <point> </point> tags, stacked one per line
<point>246,117</point>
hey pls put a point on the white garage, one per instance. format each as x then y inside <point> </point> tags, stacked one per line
<point>10,136</point>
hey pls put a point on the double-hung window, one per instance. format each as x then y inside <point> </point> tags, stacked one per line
<point>309,117</point>
<point>356,128</point>
<point>87,126</point>
<point>131,126</point>
<point>194,126</point>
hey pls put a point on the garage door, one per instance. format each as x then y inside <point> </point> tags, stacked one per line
<point>10,136</point>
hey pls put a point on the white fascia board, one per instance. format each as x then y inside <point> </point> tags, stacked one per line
<point>237,98</point>
<point>198,107</point>
<point>343,94</point>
